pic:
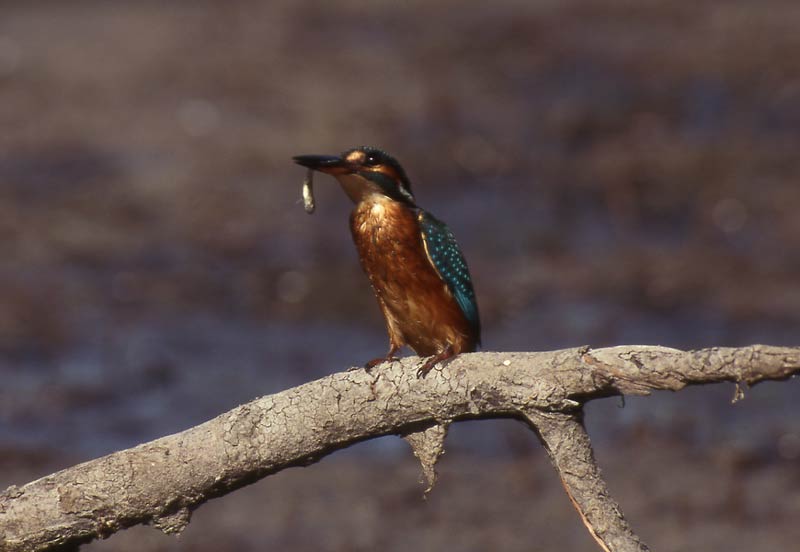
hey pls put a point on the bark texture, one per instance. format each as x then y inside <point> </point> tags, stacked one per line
<point>163,481</point>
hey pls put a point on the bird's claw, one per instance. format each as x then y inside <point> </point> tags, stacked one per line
<point>442,357</point>
<point>426,367</point>
<point>380,360</point>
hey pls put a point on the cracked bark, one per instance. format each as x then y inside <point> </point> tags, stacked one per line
<point>163,481</point>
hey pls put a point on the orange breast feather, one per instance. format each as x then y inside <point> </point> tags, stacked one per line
<point>419,308</point>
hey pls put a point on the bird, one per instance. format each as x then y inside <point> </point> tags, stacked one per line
<point>414,264</point>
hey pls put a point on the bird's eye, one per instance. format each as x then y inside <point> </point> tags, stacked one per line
<point>371,160</point>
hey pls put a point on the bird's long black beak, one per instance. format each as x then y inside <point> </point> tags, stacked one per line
<point>331,164</point>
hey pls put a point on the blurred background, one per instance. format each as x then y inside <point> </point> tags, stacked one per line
<point>617,172</point>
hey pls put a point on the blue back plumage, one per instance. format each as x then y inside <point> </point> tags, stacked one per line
<point>446,257</point>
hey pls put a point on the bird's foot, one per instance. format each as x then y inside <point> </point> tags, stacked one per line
<point>447,354</point>
<point>380,360</point>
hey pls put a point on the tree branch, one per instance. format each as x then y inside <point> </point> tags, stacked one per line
<point>161,482</point>
<point>570,450</point>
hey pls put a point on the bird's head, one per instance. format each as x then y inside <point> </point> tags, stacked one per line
<point>363,172</point>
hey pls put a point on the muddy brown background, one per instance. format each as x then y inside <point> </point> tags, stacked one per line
<point>616,172</point>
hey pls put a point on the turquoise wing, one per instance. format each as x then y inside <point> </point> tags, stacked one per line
<point>446,257</point>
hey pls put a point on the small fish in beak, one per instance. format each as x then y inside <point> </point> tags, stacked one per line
<point>308,192</point>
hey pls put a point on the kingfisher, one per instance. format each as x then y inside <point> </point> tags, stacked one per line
<point>414,264</point>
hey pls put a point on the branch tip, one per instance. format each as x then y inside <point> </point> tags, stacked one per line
<point>428,446</point>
